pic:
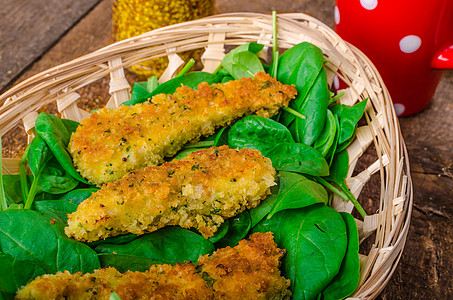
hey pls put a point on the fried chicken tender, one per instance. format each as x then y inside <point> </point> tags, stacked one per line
<point>247,271</point>
<point>200,191</point>
<point>112,142</point>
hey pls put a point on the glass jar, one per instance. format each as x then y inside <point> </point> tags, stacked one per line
<point>134,17</point>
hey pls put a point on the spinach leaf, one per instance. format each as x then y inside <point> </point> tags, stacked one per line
<point>245,64</point>
<point>296,191</point>
<point>117,240</point>
<point>12,185</point>
<point>302,65</point>
<point>346,281</point>
<point>164,245</point>
<point>15,273</point>
<point>258,213</point>
<point>38,156</point>
<point>221,232</point>
<point>221,137</point>
<point>243,61</point>
<point>259,133</point>
<point>314,108</point>
<point>315,240</point>
<point>79,195</point>
<point>58,208</point>
<point>191,80</point>
<point>183,153</point>
<point>31,236</point>
<point>300,158</point>
<point>327,138</point>
<point>55,180</point>
<point>141,89</point>
<point>349,116</point>
<point>338,173</point>
<point>240,225</point>
<point>125,262</point>
<point>56,133</point>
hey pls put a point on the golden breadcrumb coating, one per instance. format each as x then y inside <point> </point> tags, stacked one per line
<point>200,191</point>
<point>247,271</point>
<point>112,142</point>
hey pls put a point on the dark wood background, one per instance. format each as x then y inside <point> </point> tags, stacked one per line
<point>38,34</point>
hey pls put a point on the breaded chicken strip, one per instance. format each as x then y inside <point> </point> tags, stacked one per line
<point>247,271</point>
<point>199,191</point>
<point>112,142</point>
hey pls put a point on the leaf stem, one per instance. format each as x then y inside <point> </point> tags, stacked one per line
<point>345,195</point>
<point>23,174</point>
<point>32,193</point>
<point>186,68</point>
<point>217,69</point>
<point>244,68</point>
<point>294,112</point>
<point>275,46</point>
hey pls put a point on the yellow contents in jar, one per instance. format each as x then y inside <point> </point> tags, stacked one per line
<point>134,17</point>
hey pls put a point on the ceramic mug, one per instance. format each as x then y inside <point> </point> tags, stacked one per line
<point>409,41</point>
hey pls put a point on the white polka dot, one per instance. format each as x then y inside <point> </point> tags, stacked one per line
<point>368,4</point>
<point>337,15</point>
<point>410,43</point>
<point>336,82</point>
<point>399,109</point>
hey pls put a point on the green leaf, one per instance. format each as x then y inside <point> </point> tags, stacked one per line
<point>315,240</point>
<point>12,186</point>
<point>349,116</point>
<point>243,61</point>
<point>38,155</point>
<point>79,195</point>
<point>259,133</point>
<point>125,262</point>
<point>347,280</point>
<point>140,90</point>
<point>240,225</point>
<point>58,208</point>
<point>260,212</point>
<point>296,191</point>
<point>15,273</point>
<point>300,158</point>
<point>327,138</point>
<point>56,133</point>
<point>55,180</point>
<point>164,245</point>
<point>299,65</point>
<point>245,64</point>
<point>338,173</point>
<point>314,108</point>
<point>221,232</point>
<point>117,240</point>
<point>31,236</point>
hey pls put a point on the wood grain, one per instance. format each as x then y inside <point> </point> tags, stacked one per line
<point>29,28</point>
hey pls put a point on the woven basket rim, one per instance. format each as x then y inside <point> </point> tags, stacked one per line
<point>390,223</point>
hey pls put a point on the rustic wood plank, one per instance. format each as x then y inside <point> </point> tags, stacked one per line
<point>28,28</point>
<point>426,267</point>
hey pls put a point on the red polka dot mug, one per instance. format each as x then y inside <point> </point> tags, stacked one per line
<point>409,41</point>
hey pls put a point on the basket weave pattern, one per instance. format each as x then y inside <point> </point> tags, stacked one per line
<point>213,34</point>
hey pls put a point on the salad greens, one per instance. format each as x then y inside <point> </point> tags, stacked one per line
<point>305,143</point>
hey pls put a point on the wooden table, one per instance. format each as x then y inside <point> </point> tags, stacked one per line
<point>36,35</point>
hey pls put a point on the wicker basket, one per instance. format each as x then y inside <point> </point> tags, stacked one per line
<point>388,227</point>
